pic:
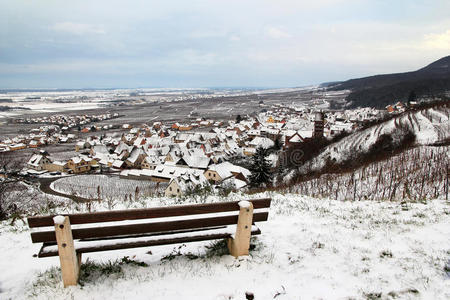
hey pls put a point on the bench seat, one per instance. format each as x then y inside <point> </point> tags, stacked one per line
<point>176,237</point>
<point>70,235</point>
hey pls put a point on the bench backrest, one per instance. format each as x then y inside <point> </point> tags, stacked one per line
<point>187,222</point>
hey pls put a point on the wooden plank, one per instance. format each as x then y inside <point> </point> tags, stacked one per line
<point>70,267</point>
<point>125,245</point>
<point>119,230</point>
<point>239,244</point>
<point>158,212</point>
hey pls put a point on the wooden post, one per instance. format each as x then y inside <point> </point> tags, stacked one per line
<point>240,243</point>
<point>446,185</point>
<point>69,259</point>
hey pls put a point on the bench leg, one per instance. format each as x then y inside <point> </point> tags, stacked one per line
<point>240,243</point>
<point>69,259</point>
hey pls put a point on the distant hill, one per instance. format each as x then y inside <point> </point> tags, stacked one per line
<point>328,84</point>
<point>381,90</point>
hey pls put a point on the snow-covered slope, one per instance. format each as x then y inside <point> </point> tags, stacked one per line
<point>417,174</point>
<point>309,249</point>
<point>430,126</point>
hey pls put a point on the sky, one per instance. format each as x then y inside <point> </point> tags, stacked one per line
<point>230,43</point>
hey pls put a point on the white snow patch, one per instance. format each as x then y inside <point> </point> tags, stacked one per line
<point>59,220</point>
<point>244,204</point>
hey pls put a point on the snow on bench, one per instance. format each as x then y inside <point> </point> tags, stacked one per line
<point>85,246</point>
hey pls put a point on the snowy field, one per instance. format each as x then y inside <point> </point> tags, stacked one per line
<point>309,249</point>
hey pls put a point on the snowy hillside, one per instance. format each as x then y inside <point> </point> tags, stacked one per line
<point>430,126</point>
<point>417,174</point>
<point>309,249</point>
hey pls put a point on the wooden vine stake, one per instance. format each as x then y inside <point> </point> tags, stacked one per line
<point>70,261</point>
<point>240,243</point>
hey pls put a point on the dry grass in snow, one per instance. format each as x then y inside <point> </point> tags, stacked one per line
<point>309,249</point>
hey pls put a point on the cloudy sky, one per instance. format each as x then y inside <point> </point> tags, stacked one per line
<point>257,43</point>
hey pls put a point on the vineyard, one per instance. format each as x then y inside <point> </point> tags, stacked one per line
<point>110,188</point>
<point>418,174</point>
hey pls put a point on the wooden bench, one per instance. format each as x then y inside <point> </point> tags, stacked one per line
<point>73,234</point>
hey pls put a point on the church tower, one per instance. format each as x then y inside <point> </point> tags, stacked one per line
<point>318,125</point>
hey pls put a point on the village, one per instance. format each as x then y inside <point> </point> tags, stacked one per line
<point>182,156</point>
<point>54,129</point>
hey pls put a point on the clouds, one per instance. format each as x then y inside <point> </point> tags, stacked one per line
<point>78,28</point>
<point>215,43</point>
<point>438,40</point>
<point>277,33</point>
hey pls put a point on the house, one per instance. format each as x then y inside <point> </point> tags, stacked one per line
<point>225,170</point>
<point>4,148</point>
<point>123,150</point>
<point>253,133</point>
<point>99,149</point>
<point>34,144</point>
<point>182,138</point>
<point>140,141</point>
<point>165,173</point>
<point>272,134</point>
<point>150,162</point>
<point>249,151</point>
<point>78,165</point>
<point>262,142</point>
<point>38,162</point>
<point>118,164</point>
<point>197,161</point>
<point>294,140</point>
<point>136,157</point>
<point>179,185</point>
<point>18,146</point>
<point>81,145</point>
<point>56,166</point>
<point>185,127</point>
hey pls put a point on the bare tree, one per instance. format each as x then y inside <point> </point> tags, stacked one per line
<point>9,167</point>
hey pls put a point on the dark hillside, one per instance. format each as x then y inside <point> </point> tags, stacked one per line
<point>380,90</point>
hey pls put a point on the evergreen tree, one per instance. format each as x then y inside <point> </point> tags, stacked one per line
<point>260,168</point>
<point>412,97</point>
<point>277,143</point>
<point>280,172</point>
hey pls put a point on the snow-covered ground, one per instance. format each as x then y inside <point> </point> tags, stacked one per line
<point>309,249</point>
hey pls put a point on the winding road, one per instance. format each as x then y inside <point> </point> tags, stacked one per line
<point>45,187</point>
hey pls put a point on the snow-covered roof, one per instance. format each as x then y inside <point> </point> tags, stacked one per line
<point>117,164</point>
<point>262,142</point>
<point>189,180</point>
<point>35,159</point>
<point>234,183</point>
<point>76,159</point>
<point>134,155</point>
<point>226,170</point>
